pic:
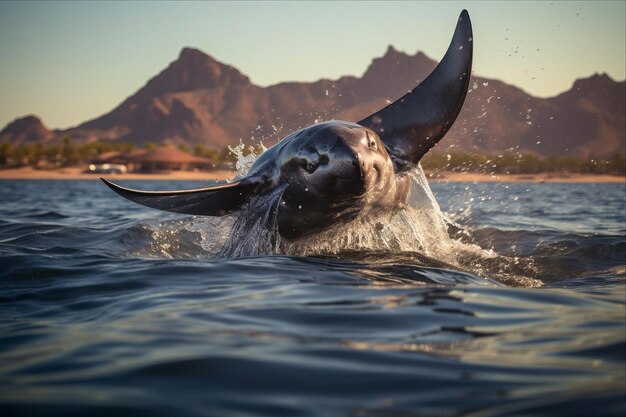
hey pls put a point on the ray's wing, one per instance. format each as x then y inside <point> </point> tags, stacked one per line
<point>409,127</point>
<point>413,124</point>
<point>217,200</point>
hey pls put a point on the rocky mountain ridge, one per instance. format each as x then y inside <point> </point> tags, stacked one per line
<point>198,100</point>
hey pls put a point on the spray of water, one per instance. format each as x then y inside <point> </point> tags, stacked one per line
<point>245,161</point>
<point>254,231</point>
<point>420,228</point>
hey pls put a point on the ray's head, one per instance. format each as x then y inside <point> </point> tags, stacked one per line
<point>335,158</point>
<point>331,170</point>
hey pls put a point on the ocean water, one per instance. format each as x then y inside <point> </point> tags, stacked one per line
<point>483,300</point>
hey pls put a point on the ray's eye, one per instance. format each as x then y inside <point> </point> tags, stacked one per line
<point>371,142</point>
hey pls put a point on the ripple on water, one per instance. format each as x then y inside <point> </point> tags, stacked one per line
<point>118,309</point>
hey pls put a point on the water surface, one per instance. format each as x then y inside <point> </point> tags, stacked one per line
<point>109,307</point>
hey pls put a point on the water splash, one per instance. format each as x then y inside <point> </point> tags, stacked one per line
<point>421,228</point>
<point>172,239</point>
<point>254,230</point>
<point>245,161</point>
<point>418,228</point>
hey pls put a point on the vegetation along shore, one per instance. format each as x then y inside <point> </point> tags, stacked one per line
<point>68,160</point>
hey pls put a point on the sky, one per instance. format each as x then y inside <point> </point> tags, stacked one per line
<point>68,62</point>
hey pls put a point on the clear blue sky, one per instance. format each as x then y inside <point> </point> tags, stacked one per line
<point>72,61</point>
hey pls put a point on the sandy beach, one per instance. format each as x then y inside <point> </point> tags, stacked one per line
<point>541,177</point>
<point>76,173</point>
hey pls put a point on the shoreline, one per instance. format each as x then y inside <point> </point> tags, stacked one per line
<point>544,177</point>
<point>75,173</point>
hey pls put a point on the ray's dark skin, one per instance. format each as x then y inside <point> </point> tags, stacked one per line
<point>331,172</point>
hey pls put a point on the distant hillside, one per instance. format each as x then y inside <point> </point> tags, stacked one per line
<point>27,129</point>
<point>198,100</point>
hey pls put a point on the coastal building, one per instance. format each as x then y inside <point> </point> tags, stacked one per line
<point>169,158</point>
<point>162,159</point>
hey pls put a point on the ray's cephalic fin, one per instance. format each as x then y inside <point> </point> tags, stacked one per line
<point>413,124</point>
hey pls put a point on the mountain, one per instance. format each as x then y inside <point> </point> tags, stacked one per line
<point>198,100</point>
<point>594,110</point>
<point>587,120</point>
<point>25,130</point>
